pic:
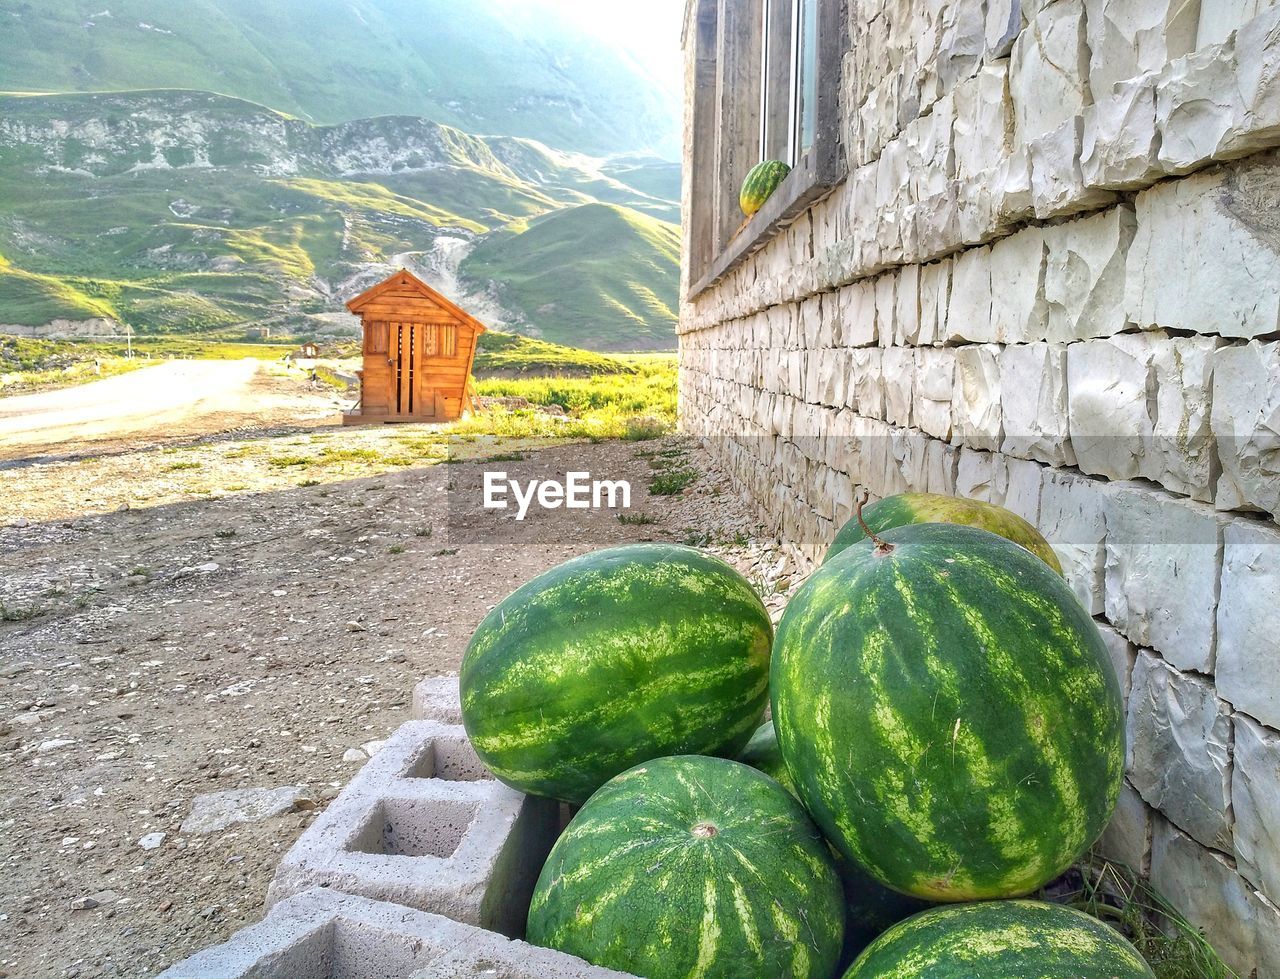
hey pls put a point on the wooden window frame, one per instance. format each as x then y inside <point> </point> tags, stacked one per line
<point>728,129</point>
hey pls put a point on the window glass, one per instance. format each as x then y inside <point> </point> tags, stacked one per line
<point>807,74</point>
<point>775,105</point>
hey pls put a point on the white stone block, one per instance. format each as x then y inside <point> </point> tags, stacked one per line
<point>982,132</point>
<point>868,381</point>
<point>934,389</point>
<point>1073,521</point>
<point>1011,186</point>
<point>1219,18</point>
<point>1004,22</point>
<point>1018,483</point>
<point>1127,838</point>
<point>1111,415</point>
<point>1248,667</point>
<point>1255,797</point>
<point>1129,37</point>
<point>1164,554</point>
<point>1057,182</point>
<point>1035,408</point>
<point>1019,313</point>
<point>975,474</point>
<point>1183,456</point>
<point>940,466</point>
<point>1196,263</point>
<point>886,307</point>
<point>899,366</point>
<point>935,294</point>
<point>962,42</point>
<point>1123,654</point>
<point>1245,421</point>
<point>1212,896</point>
<point>906,306</point>
<point>1120,147</point>
<point>1048,75</point>
<point>1084,276</point>
<point>1179,738</point>
<point>969,312</point>
<point>857,312</point>
<point>976,417</point>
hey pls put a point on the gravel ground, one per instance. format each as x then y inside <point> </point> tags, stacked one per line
<point>186,619</point>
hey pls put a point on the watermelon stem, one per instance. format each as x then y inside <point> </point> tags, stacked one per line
<point>705,831</point>
<point>883,547</point>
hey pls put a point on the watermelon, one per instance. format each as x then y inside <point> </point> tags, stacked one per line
<point>692,868</point>
<point>611,659</point>
<point>760,184</point>
<point>1028,939</point>
<point>870,907</point>
<point>910,508</point>
<point>948,712</point>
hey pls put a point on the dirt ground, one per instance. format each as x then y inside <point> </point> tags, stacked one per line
<point>186,615</point>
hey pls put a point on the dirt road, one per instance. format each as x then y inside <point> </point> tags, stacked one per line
<point>190,643</point>
<point>176,398</point>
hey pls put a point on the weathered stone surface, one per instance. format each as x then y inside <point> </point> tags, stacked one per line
<point>1206,257</point>
<point>1017,487</point>
<point>1248,669</point>
<point>1183,456</point>
<point>1048,76</point>
<point>1035,409</point>
<point>1129,37</point>
<point>1004,22</point>
<point>1161,580</point>
<point>969,312</point>
<point>1245,421</point>
<point>1119,148</point>
<point>1212,896</point>
<point>934,389</point>
<point>1179,737</point>
<point>976,417</point>
<point>216,811</point>
<point>857,312</point>
<point>1073,521</point>
<point>906,306</point>
<point>868,381</point>
<point>1218,18</point>
<point>899,366</point>
<point>1019,313</point>
<point>1011,185</point>
<point>1198,103</point>
<point>1123,653</point>
<point>982,132</point>
<point>1057,181</point>
<point>1110,416</point>
<point>975,474</point>
<point>935,294</point>
<point>1084,276</point>
<point>1255,798</point>
<point>1127,838</point>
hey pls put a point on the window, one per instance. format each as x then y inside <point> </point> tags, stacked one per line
<point>767,76</point>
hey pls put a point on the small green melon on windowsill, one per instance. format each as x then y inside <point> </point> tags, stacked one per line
<point>760,184</point>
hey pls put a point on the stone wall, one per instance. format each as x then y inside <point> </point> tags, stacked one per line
<point>1051,280</point>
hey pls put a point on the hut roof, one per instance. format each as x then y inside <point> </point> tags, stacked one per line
<point>403,280</point>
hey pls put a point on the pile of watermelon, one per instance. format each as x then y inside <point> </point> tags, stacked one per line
<point>946,739</point>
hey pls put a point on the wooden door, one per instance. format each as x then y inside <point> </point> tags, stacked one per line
<point>405,360</point>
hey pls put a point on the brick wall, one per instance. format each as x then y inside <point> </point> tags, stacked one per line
<point>1051,280</point>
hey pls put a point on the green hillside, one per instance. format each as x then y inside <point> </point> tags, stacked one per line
<point>599,276</point>
<point>484,66</point>
<point>186,212</point>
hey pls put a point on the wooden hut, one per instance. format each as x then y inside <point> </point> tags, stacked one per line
<point>418,352</point>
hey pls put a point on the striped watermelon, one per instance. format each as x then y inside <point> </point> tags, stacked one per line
<point>949,713</point>
<point>692,868</point>
<point>612,659</point>
<point>870,907</point>
<point>1001,938</point>
<point>910,508</point>
<point>760,184</point>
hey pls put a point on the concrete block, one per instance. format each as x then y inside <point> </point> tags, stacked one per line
<point>1195,263</point>
<point>976,418</point>
<point>1019,313</point>
<point>969,312</point>
<point>1130,37</point>
<point>1208,891</point>
<point>1127,838</point>
<point>423,824</point>
<point>1247,673</point>
<point>1245,423</point>
<point>324,934</point>
<point>1255,798</point>
<point>1073,521</point>
<point>437,699</point>
<point>1120,147</point>
<point>1179,742</point>
<point>1164,554</point>
<point>1035,408</point>
<point>1049,71</point>
<point>1084,275</point>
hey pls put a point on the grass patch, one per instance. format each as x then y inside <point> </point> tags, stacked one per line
<point>180,466</point>
<point>670,482</point>
<point>635,519</point>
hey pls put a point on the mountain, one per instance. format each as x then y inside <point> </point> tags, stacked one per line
<point>599,276</point>
<point>186,211</point>
<point>485,66</point>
